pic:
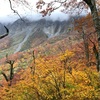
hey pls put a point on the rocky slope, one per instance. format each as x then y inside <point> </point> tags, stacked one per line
<point>28,34</point>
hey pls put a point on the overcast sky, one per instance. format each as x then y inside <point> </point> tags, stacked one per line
<point>6,14</point>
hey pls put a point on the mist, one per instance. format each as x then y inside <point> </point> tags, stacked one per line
<point>57,15</point>
<point>7,15</point>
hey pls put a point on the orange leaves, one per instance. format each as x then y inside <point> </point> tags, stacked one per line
<point>52,82</point>
<point>85,22</point>
<point>67,55</point>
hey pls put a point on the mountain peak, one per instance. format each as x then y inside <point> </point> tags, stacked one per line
<point>28,34</point>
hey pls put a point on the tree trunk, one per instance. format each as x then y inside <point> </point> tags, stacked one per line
<point>96,20</point>
<point>86,46</point>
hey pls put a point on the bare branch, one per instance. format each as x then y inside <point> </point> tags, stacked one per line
<point>7,32</point>
<point>15,10</point>
<point>6,78</point>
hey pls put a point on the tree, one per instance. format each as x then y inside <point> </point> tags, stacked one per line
<point>96,20</point>
<point>71,6</point>
<point>9,79</point>
<point>81,25</point>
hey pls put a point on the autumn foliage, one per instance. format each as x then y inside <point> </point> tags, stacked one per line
<point>55,78</point>
<point>61,75</point>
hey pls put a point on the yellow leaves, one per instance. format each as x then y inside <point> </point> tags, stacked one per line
<point>67,55</point>
<point>48,81</point>
<point>84,91</point>
<point>0,68</point>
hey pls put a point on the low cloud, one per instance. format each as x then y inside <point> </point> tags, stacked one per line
<point>56,15</point>
<point>34,16</point>
<point>7,15</point>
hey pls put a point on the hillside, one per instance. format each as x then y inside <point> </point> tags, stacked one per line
<point>49,61</point>
<point>28,34</point>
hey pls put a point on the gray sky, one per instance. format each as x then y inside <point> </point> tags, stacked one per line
<point>6,14</point>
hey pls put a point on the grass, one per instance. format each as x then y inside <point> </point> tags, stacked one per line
<point>8,51</point>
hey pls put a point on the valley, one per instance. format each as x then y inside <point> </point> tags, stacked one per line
<point>25,35</point>
<point>46,60</point>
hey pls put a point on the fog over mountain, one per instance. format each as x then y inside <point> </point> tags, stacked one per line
<point>33,31</point>
<point>30,12</point>
<point>34,16</point>
<point>30,34</point>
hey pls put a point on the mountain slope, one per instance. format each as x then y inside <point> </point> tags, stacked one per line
<point>28,34</point>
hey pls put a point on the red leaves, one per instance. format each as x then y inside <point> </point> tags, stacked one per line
<point>46,11</point>
<point>40,4</point>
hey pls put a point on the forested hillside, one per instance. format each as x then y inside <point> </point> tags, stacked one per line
<point>62,70</point>
<point>59,60</point>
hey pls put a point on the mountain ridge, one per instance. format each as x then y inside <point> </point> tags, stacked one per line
<point>28,34</point>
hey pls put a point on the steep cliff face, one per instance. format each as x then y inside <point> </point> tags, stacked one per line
<point>27,34</point>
